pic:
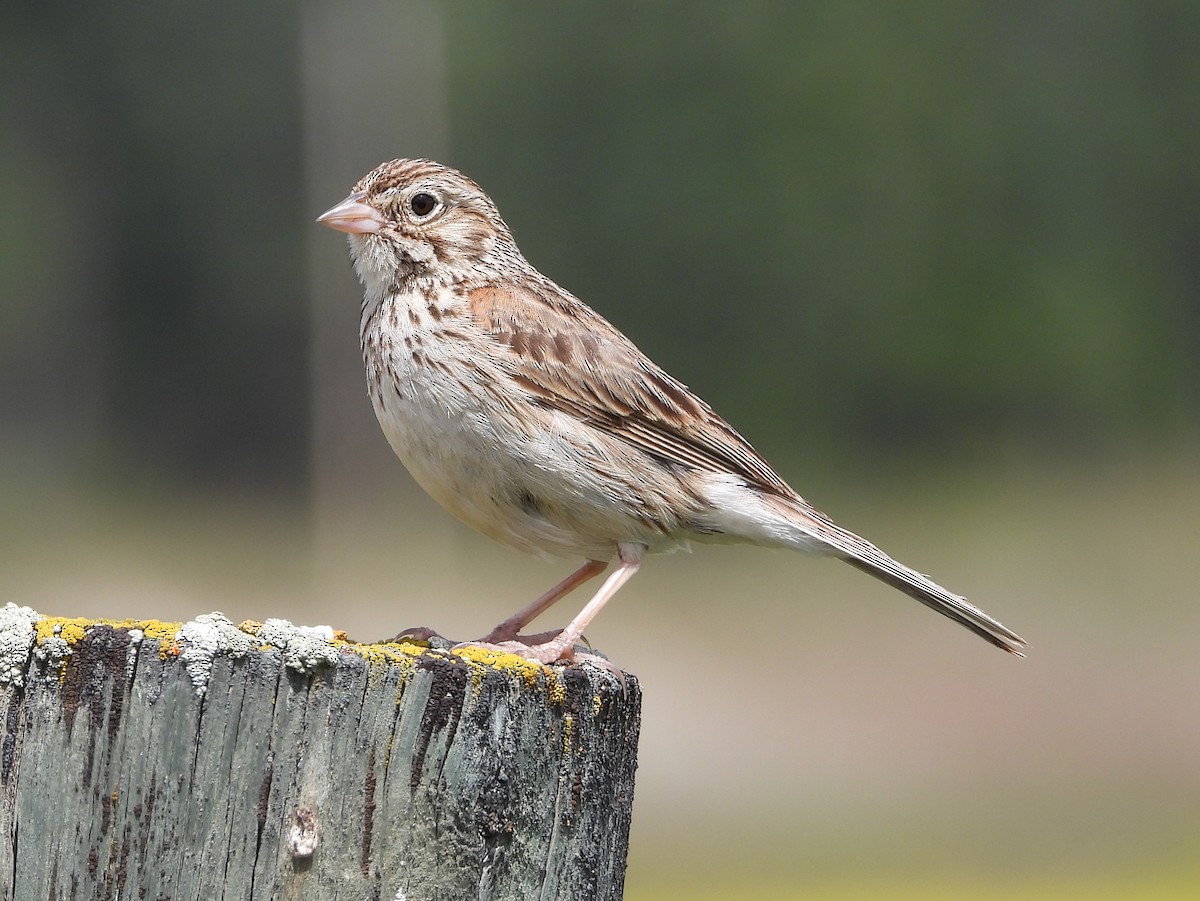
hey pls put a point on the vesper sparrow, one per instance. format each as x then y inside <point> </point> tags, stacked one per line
<point>529,417</point>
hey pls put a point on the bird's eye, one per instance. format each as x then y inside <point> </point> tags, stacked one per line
<point>422,204</point>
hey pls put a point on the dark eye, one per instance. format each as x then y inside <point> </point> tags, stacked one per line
<point>422,204</point>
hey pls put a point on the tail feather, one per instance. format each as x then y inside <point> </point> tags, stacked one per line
<point>861,554</point>
<point>793,522</point>
<point>937,598</point>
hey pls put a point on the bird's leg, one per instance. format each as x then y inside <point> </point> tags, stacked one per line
<point>511,627</point>
<point>562,647</point>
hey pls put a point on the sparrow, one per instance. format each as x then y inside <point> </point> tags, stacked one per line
<point>530,418</point>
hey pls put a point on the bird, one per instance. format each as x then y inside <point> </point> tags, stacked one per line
<point>532,419</point>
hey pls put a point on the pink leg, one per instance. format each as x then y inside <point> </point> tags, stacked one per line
<point>629,556</point>
<point>511,627</point>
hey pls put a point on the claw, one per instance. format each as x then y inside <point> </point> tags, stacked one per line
<point>422,635</point>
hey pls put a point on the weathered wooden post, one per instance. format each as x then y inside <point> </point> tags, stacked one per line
<point>149,760</point>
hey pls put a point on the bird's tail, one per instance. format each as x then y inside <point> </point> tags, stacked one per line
<point>861,554</point>
<point>935,597</point>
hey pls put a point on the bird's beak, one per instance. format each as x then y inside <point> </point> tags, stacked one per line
<point>353,217</point>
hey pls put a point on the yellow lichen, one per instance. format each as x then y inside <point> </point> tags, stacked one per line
<point>43,629</point>
<point>73,630</point>
<point>157,630</point>
<point>398,654</point>
<point>556,692</point>
<point>479,660</point>
<point>527,670</point>
<point>568,731</point>
<point>70,629</point>
<point>477,673</point>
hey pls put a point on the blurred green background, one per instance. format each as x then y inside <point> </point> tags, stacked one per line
<point>939,261</point>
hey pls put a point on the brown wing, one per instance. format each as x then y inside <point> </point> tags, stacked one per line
<point>574,361</point>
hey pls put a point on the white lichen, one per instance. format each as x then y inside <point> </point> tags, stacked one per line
<point>304,647</point>
<point>131,652</point>
<point>303,834</point>
<point>203,638</point>
<point>53,650</point>
<point>17,635</point>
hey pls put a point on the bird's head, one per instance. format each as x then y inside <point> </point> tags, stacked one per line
<point>416,217</point>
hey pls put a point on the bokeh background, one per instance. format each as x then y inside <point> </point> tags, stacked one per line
<point>940,261</point>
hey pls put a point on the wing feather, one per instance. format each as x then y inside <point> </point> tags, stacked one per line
<point>572,360</point>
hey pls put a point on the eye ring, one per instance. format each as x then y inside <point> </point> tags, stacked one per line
<point>422,204</point>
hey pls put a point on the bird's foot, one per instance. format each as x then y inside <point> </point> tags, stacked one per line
<point>544,648</point>
<point>551,650</point>
<point>423,635</point>
<point>547,648</point>
<point>506,632</point>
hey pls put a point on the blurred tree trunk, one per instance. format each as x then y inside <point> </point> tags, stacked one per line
<point>373,88</point>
